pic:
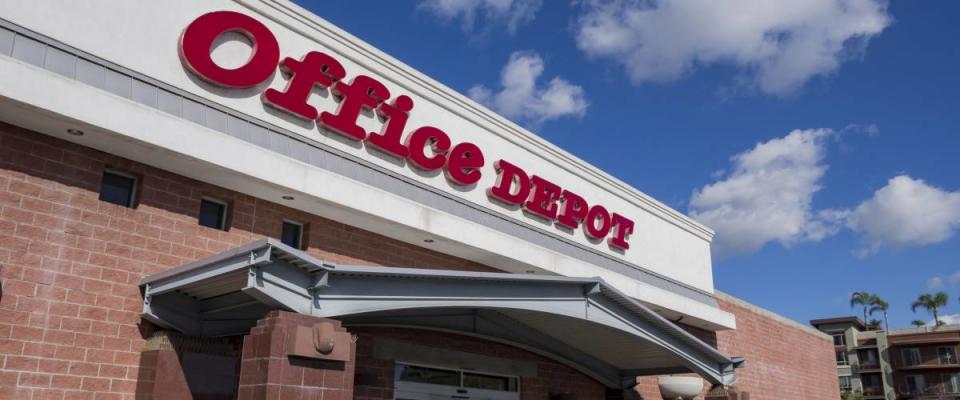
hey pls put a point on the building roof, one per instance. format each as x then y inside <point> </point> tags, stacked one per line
<point>855,321</point>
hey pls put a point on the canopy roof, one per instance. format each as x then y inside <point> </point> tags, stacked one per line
<point>582,322</point>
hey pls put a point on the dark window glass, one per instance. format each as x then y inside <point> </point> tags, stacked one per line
<point>841,358</point>
<point>844,383</point>
<point>117,189</point>
<point>213,214</point>
<point>490,382</point>
<point>839,340</point>
<point>435,376</point>
<point>292,234</point>
<point>948,355</point>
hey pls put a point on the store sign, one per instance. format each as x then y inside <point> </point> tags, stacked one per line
<point>427,148</point>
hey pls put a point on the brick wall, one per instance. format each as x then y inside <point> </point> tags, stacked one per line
<point>785,360</point>
<point>71,264</point>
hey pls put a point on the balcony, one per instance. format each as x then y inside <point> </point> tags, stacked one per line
<point>929,393</point>
<point>929,365</point>
<point>866,368</point>
<point>870,391</point>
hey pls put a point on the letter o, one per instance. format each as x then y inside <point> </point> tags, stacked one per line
<point>597,214</point>
<point>196,43</point>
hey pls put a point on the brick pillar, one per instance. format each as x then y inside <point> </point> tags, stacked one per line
<point>268,372</point>
<point>720,392</point>
<point>160,376</point>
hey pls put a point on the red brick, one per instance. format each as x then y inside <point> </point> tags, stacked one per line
<point>72,264</point>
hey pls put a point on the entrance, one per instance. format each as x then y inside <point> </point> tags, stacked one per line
<point>419,382</point>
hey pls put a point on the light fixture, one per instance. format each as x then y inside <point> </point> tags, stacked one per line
<point>530,271</point>
<point>288,197</point>
<point>74,132</point>
<point>428,240</point>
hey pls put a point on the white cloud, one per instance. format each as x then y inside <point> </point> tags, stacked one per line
<point>521,98</point>
<point>767,196</point>
<point>777,44</point>
<point>472,13</point>
<point>949,319</point>
<point>907,212</point>
<point>934,282</point>
<point>954,278</point>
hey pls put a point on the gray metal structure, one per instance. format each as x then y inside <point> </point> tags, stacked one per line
<point>581,322</point>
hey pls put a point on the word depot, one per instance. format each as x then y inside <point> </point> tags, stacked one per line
<point>427,148</point>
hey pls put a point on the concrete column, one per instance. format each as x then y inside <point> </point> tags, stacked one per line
<point>268,371</point>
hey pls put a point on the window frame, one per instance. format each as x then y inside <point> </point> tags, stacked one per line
<point>948,381</point>
<point>869,357</point>
<point>224,214</point>
<point>846,359</point>
<point>919,381</point>
<point>134,187</point>
<point>461,372</point>
<point>849,384</point>
<point>953,355</point>
<point>302,226</point>
<point>910,350</point>
<point>843,338</point>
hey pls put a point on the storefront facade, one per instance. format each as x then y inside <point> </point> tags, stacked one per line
<point>239,200</point>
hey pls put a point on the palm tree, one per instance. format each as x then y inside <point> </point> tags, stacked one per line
<point>874,325</point>
<point>879,305</point>
<point>917,323</point>
<point>931,303</point>
<point>864,299</point>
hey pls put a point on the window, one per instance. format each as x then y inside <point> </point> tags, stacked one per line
<point>869,357</point>
<point>292,234</point>
<point>845,384</point>
<point>871,380</point>
<point>414,374</point>
<point>118,188</point>
<point>842,358</point>
<point>910,356</point>
<point>490,382</point>
<point>948,355</point>
<point>839,339</point>
<point>213,213</point>
<point>951,383</point>
<point>433,376</point>
<point>915,384</point>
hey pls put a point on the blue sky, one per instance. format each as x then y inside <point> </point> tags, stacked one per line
<point>821,141</point>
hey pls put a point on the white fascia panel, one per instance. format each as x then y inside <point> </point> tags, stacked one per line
<point>44,101</point>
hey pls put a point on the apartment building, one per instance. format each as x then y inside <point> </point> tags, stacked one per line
<point>916,363</point>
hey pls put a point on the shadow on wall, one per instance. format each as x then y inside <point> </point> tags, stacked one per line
<point>177,367</point>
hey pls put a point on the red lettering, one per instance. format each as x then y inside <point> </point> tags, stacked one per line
<point>464,163</point>
<point>596,214</point>
<point>574,210</point>
<point>363,93</point>
<point>396,116</point>
<point>315,69</point>
<point>197,42</point>
<point>439,143</point>
<point>622,227</point>
<point>543,198</point>
<point>507,175</point>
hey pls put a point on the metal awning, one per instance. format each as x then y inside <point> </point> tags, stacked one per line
<point>582,322</point>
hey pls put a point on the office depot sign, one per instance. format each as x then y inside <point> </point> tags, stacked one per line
<point>427,148</point>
